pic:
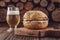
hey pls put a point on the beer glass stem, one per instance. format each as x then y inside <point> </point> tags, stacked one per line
<point>11,29</point>
<point>15,27</point>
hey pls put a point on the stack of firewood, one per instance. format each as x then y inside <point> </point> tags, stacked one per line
<point>50,7</point>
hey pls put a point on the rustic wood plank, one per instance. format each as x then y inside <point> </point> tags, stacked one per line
<point>29,32</point>
<point>41,33</point>
<point>25,38</point>
<point>11,36</point>
<point>3,36</point>
<point>3,33</point>
<point>2,29</point>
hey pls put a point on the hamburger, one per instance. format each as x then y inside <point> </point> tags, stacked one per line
<point>35,20</point>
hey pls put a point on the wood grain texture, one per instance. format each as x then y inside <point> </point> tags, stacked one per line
<point>51,7</point>
<point>48,5</point>
<point>2,4</point>
<point>3,12</point>
<point>36,1</point>
<point>15,1</point>
<point>55,1</point>
<point>6,1</point>
<point>22,12</point>
<point>28,5</point>
<point>24,1</point>
<point>11,5</point>
<point>56,15</point>
<point>20,5</point>
<point>43,3</point>
<point>29,32</point>
<point>4,35</point>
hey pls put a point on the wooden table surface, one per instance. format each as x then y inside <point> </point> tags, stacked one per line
<point>4,35</point>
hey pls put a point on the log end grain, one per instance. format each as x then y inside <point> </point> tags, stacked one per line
<point>15,1</point>
<point>43,3</point>
<point>36,1</point>
<point>20,5</point>
<point>28,6</point>
<point>3,15</point>
<point>51,7</point>
<point>2,4</point>
<point>56,15</point>
<point>6,1</point>
<point>24,1</point>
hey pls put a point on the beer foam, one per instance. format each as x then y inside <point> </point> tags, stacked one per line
<point>12,12</point>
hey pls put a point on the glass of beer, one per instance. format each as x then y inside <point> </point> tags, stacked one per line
<point>13,18</point>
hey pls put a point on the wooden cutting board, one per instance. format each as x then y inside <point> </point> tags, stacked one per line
<point>29,32</point>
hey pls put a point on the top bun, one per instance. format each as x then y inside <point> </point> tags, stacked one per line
<point>35,16</point>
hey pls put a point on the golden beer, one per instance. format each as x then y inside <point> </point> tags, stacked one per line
<point>13,20</point>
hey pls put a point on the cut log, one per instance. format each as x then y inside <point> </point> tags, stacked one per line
<point>51,7</point>
<point>11,5</point>
<point>36,1</point>
<point>28,6</point>
<point>43,3</point>
<point>24,1</point>
<point>15,1</point>
<point>6,1</point>
<point>2,4</point>
<point>44,10</point>
<point>3,15</point>
<point>56,15</point>
<point>20,5</point>
<point>36,8</point>
<point>55,1</point>
<point>22,12</point>
<point>30,0</point>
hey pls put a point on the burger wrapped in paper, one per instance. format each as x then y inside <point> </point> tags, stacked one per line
<point>35,20</point>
